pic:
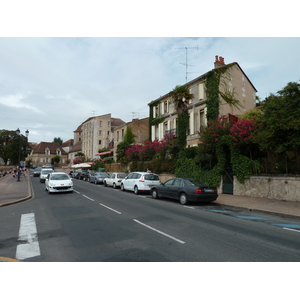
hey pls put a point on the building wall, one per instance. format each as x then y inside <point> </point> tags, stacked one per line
<point>96,134</point>
<point>139,127</point>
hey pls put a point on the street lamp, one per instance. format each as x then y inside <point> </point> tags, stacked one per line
<point>18,132</point>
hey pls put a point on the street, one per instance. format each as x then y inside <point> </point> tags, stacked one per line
<point>102,224</point>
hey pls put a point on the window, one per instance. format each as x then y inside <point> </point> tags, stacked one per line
<point>122,133</point>
<point>47,152</point>
<point>108,132</point>
<point>100,132</point>
<point>117,136</point>
<point>108,123</point>
<point>165,106</point>
<point>201,91</point>
<point>99,142</point>
<point>100,123</point>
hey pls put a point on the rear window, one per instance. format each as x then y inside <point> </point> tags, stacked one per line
<point>121,175</point>
<point>151,177</point>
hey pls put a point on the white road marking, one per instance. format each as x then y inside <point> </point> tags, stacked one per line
<point>165,234</point>
<point>189,207</point>
<point>110,208</point>
<point>88,197</point>
<point>28,234</point>
<point>291,229</point>
<point>76,192</point>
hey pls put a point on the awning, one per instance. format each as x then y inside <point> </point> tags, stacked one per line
<point>104,153</point>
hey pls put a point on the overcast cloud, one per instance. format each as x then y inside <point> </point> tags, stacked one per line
<point>51,85</point>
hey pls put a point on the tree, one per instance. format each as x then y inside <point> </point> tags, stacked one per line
<point>181,97</point>
<point>58,140</point>
<point>11,145</point>
<point>56,159</point>
<point>124,145</point>
<point>281,119</point>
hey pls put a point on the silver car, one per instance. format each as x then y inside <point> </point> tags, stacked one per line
<point>98,177</point>
<point>44,174</point>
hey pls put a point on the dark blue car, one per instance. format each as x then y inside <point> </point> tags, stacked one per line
<point>185,190</point>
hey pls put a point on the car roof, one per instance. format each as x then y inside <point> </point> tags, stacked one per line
<point>58,173</point>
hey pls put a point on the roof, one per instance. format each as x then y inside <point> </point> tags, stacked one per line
<point>77,147</point>
<point>41,147</point>
<point>68,143</point>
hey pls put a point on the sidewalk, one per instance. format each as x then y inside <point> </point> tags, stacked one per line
<point>12,191</point>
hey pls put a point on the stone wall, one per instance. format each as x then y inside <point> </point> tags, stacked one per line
<point>281,188</point>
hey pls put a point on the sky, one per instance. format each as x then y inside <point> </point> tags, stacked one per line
<point>53,79</point>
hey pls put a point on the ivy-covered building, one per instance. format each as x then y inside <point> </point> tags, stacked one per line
<point>225,90</point>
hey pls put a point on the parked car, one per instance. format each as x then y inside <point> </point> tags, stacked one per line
<point>73,174</point>
<point>44,174</point>
<point>37,172</point>
<point>48,167</point>
<point>80,175</point>
<point>185,190</point>
<point>139,182</point>
<point>88,175</point>
<point>98,177</point>
<point>114,180</point>
<point>58,182</point>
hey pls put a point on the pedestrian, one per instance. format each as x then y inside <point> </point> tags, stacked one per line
<point>148,171</point>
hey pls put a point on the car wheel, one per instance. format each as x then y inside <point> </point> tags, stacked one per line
<point>96,181</point>
<point>105,184</point>
<point>136,190</point>
<point>114,186</point>
<point>122,187</point>
<point>183,199</point>
<point>154,194</point>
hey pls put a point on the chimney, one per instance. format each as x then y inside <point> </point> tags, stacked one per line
<point>219,62</point>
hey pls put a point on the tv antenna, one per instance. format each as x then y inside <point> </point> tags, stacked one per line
<point>186,61</point>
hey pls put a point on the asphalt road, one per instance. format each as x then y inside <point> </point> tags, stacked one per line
<point>97,223</point>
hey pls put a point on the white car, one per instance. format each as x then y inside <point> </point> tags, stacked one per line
<point>139,182</point>
<point>44,174</point>
<point>58,182</point>
<point>114,180</point>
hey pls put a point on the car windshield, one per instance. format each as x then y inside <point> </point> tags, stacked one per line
<point>151,177</point>
<point>196,182</point>
<point>121,175</point>
<point>60,177</point>
<point>47,171</point>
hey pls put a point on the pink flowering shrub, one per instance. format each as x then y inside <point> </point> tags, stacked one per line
<point>77,160</point>
<point>211,134</point>
<point>242,131</point>
<point>146,152</point>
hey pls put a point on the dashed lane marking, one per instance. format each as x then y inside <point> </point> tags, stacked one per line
<point>88,197</point>
<point>163,233</point>
<point>110,208</point>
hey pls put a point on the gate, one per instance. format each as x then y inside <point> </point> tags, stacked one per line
<point>228,181</point>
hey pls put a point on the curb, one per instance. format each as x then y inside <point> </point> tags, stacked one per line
<point>257,210</point>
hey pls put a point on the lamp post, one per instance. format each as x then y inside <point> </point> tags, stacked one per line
<point>18,132</point>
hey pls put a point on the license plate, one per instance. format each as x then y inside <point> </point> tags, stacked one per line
<point>209,190</point>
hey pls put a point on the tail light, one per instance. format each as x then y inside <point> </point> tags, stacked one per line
<point>142,179</point>
<point>199,191</point>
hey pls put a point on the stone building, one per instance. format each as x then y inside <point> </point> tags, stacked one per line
<point>233,82</point>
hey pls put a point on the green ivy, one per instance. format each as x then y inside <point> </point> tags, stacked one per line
<point>241,165</point>
<point>213,82</point>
